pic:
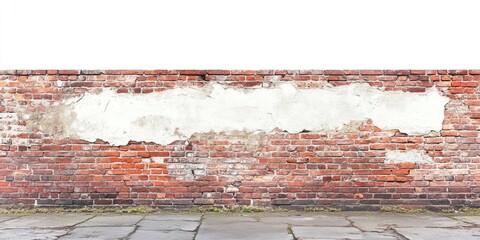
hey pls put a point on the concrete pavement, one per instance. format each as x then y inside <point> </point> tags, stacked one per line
<point>278,226</point>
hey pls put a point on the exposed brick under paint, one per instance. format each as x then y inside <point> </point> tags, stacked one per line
<point>335,168</point>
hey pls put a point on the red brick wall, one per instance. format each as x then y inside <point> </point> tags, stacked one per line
<point>293,170</point>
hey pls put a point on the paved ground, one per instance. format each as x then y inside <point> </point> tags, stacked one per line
<point>278,226</point>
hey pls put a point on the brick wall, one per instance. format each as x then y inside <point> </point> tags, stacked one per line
<point>335,168</point>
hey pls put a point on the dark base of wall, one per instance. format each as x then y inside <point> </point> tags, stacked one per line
<point>364,205</point>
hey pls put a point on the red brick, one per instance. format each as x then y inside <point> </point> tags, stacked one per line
<point>406,165</point>
<point>377,146</point>
<point>457,72</point>
<point>159,154</point>
<point>334,72</point>
<point>398,72</point>
<point>371,72</point>
<point>131,72</point>
<point>68,72</point>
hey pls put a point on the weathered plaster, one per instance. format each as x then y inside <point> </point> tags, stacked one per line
<point>181,112</point>
<point>410,156</point>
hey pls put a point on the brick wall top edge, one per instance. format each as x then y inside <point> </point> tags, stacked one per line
<point>243,72</point>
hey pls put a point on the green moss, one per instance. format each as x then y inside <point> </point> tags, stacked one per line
<point>322,209</point>
<point>449,210</point>
<point>214,209</point>
<point>125,210</point>
<point>469,210</point>
<point>244,209</point>
<point>403,210</point>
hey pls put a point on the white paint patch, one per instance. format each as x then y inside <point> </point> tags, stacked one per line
<point>157,159</point>
<point>410,156</point>
<point>59,83</point>
<point>179,113</point>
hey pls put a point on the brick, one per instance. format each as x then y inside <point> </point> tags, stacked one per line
<point>204,201</point>
<point>131,72</point>
<point>377,146</point>
<point>334,72</point>
<point>69,72</point>
<point>31,72</point>
<point>457,72</point>
<point>371,72</point>
<point>92,72</point>
<point>407,165</point>
<point>282,201</point>
<point>399,72</point>
<point>7,72</point>
<point>82,202</point>
<point>218,72</point>
<point>45,201</point>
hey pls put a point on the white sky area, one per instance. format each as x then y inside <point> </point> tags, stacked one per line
<point>246,34</point>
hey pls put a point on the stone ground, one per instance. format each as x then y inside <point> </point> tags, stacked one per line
<point>278,226</point>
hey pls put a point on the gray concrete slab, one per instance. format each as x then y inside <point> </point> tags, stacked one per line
<point>322,233</point>
<point>229,219</point>
<point>167,217</point>
<point>380,222</point>
<point>99,233</point>
<point>309,220</point>
<point>279,226</point>
<point>161,235</point>
<point>440,233</point>
<point>45,221</point>
<point>380,236</point>
<point>173,225</point>
<point>308,232</point>
<point>31,234</point>
<point>469,219</point>
<point>216,230</point>
<point>6,218</point>
<point>112,220</point>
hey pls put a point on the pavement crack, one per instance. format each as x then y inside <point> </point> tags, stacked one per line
<point>290,231</point>
<point>389,229</point>
<point>135,229</point>
<point>71,228</point>
<point>198,227</point>
<point>397,234</point>
<point>10,219</point>
<point>352,224</point>
<point>76,224</point>
<point>472,224</point>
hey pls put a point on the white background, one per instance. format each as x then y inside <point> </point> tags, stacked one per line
<point>246,34</point>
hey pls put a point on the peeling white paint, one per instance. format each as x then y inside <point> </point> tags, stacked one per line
<point>157,159</point>
<point>410,156</point>
<point>130,78</point>
<point>179,113</point>
<point>60,83</point>
<point>232,189</point>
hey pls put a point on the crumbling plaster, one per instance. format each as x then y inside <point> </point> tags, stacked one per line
<point>414,156</point>
<point>181,112</point>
